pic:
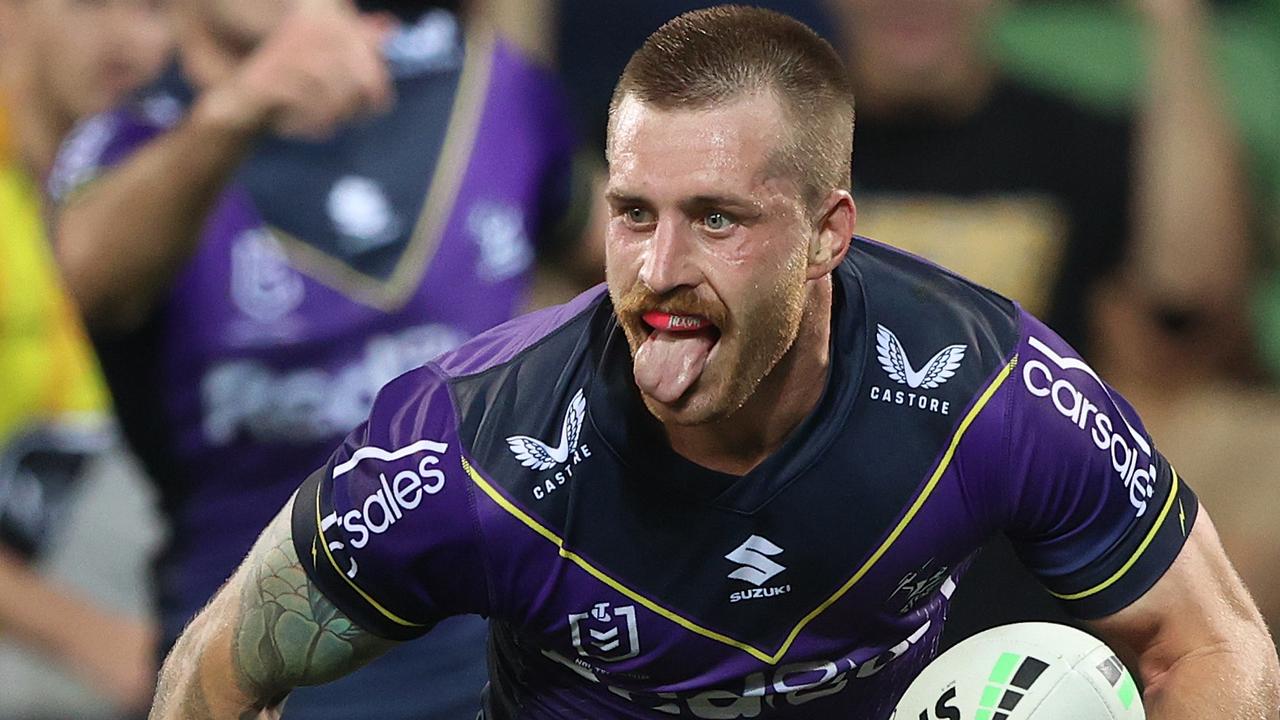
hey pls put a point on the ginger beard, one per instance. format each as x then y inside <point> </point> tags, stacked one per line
<point>705,361</point>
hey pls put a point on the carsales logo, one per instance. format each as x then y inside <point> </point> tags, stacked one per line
<point>396,495</point>
<point>1128,450</point>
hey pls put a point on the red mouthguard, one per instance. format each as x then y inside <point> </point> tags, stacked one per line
<point>674,323</point>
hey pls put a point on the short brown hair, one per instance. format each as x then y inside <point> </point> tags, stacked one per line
<point>705,58</point>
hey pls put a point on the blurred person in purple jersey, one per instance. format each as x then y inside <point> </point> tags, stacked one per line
<point>60,61</point>
<point>742,479</point>
<point>1128,235</point>
<point>314,202</point>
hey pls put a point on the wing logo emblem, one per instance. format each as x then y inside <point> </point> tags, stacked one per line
<point>537,455</point>
<point>893,358</point>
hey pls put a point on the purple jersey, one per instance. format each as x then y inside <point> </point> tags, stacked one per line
<point>520,477</point>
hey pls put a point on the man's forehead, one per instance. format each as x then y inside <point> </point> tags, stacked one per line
<point>736,139</point>
<point>746,117</point>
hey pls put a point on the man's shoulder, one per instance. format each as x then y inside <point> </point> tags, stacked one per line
<point>549,335</point>
<point>912,291</point>
<point>512,367</point>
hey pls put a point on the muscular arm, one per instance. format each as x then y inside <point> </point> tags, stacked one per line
<point>1202,647</point>
<point>267,631</point>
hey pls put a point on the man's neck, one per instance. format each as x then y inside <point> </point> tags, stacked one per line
<point>787,395</point>
<point>35,123</point>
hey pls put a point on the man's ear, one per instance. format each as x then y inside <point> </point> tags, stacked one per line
<point>832,233</point>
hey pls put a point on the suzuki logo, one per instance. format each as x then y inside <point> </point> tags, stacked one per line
<point>753,555</point>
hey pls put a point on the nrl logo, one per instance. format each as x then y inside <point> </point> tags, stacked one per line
<point>893,358</point>
<point>606,634</point>
<point>537,455</point>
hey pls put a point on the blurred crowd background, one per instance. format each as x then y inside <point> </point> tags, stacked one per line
<point>1114,166</point>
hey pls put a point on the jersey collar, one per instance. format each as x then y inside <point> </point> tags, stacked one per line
<point>636,437</point>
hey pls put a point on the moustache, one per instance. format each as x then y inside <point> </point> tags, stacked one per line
<point>680,301</point>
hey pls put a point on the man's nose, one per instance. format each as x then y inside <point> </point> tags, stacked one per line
<point>668,261</point>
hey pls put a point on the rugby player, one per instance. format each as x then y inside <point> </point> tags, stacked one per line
<point>249,291</point>
<point>744,479</point>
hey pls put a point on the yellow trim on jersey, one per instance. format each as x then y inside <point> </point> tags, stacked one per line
<point>761,655</point>
<point>342,573</point>
<point>1151,535</point>
<point>581,562</point>
<point>442,194</point>
<point>915,507</point>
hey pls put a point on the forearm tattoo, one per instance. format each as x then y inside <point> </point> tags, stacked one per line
<point>288,634</point>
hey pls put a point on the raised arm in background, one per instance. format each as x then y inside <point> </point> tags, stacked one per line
<point>1191,236</point>
<point>123,238</point>
<point>266,632</point>
<point>112,652</point>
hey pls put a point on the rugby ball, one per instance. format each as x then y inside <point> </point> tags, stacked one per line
<point>1025,671</point>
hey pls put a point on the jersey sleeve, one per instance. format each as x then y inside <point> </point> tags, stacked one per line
<point>1090,504</point>
<point>387,529</point>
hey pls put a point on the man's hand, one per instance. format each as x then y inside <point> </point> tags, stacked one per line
<point>123,238</point>
<point>267,631</point>
<point>320,68</point>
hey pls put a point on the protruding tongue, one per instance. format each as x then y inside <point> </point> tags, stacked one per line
<point>674,355</point>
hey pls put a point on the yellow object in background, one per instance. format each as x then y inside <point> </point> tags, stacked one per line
<point>48,375</point>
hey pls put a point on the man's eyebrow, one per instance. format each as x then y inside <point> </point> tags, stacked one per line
<point>743,205</point>
<point>621,197</point>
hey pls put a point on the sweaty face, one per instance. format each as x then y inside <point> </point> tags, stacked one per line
<point>705,252</point>
<point>91,53</point>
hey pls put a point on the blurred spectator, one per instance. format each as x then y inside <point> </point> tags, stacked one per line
<point>1088,221</point>
<point>319,202</point>
<point>595,40</point>
<point>59,60</point>
<point>1221,433</point>
<point>68,59</point>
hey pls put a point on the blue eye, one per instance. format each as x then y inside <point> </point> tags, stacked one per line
<point>638,216</point>
<point>717,221</point>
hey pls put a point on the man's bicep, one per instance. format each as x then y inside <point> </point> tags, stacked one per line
<point>288,633</point>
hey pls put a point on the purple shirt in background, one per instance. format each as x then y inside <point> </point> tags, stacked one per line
<point>325,271</point>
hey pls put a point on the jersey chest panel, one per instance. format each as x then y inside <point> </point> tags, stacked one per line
<point>605,564</point>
